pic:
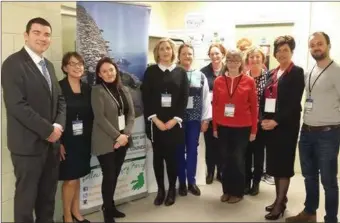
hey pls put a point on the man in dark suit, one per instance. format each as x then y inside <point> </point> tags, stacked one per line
<point>36,115</point>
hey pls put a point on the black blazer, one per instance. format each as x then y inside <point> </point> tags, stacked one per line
<point>156,82</point>
<point>289,94</point>
<point>31,108</point>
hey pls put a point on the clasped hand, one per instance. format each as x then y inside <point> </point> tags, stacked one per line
<point>268,124</point>
<point>122,140</point>
<point>55,135</point>
<point>164,126</point>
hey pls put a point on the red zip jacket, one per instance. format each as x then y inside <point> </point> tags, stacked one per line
<point>244,98</point>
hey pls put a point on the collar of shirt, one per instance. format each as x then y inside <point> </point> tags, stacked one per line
<point>164,68</point>
<point>35,57</point>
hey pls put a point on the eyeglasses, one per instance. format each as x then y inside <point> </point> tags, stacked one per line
<point>233,61</point>
<point>73,64</point>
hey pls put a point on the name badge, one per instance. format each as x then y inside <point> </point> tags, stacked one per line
<point>121,122</point>
<point>190,104</point>
<point>309,105</point>
<point>229,110</point>
<point>270,105</point>
<point>166,100</point>
<point>77,127</point>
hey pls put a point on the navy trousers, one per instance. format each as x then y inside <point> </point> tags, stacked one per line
<point>187,153</point>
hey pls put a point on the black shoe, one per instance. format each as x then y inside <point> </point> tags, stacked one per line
<point>182,190</point>
<point>108,216</point>
<point>247,190</point>
<point>76,220</point>
<point>160,197</point>
<point>255,189</point>
<point>272,216</point>
<point>209,179</point>
<point>170,199</point>
<point>118,214</point>
<point>194,189</point>
<point>271,207</point>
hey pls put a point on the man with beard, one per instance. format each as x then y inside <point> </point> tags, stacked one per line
<point>320,133</point>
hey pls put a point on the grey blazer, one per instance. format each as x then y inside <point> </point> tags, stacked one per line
<point>31,107</point>
<point>105,124</point>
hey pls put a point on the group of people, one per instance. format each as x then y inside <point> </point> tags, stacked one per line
<point>54,127</point>
<point>242,108</point>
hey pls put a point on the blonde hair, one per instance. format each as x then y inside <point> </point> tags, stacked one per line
<point>251,50</point>
<point>243,44</point>
<point>234,54</point>
<point>156,49</point>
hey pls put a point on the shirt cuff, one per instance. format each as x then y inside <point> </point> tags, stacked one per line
<point>179,120</point>
<point>58,126</point>
<point>151,116</point>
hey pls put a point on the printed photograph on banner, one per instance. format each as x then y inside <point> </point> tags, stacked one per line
<point>104,30</point>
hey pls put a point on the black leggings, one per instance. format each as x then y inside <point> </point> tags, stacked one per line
<point>111,164</point>
<point>165,152</point>
<point>255,158</point>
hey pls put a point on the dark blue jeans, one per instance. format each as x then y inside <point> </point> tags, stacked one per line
<point>318,154</point>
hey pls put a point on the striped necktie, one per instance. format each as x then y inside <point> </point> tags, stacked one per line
<point>46,74</point>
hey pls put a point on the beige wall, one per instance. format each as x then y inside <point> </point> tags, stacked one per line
<point>19,13</point>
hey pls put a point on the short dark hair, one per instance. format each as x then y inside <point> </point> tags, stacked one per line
<point>117,82</point>
<point>37,20</point>
<point>282,40</point>
<point>67,57</point>
<point>328,40</point>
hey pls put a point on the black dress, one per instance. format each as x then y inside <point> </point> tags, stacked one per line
<point>77,147</point>
<point>281,142</point>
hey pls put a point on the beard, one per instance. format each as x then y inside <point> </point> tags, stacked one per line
<point>318,57</point>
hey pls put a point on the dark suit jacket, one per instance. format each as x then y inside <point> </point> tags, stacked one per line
<point>288,104</point>
<point>31,108</point>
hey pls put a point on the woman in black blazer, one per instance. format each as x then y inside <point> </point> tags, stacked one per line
<point>281,110</point>
<point>165,92</point>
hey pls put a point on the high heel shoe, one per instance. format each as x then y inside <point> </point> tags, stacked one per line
<point>271,216</point>
<point>271,207</point>
<point>81,221</point>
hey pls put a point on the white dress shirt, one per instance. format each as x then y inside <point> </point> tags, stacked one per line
<point>36,59</point>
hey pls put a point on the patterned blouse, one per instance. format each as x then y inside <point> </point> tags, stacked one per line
<point>260,83</point>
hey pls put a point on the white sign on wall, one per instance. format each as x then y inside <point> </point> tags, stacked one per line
<point>194,21</point>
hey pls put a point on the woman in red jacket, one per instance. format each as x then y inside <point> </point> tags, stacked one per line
<point>235,116</point>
